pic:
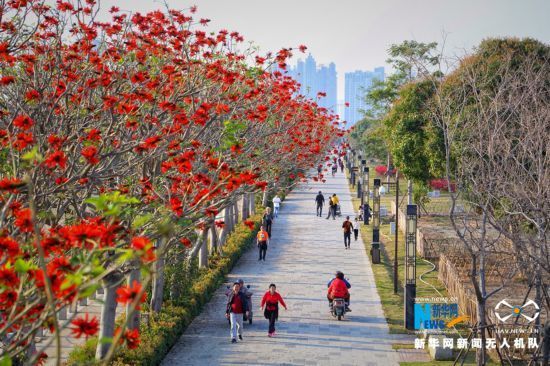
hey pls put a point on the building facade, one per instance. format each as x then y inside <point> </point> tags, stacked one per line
<point>314,79</point>
<point>356,85</point>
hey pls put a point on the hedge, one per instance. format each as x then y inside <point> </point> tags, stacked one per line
<point>165,328</point>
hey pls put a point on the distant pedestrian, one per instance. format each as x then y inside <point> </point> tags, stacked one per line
<point>319,170</point>
<point>262,240</point>
<point>356,228</point>
<point>348,227</point>
<point>267,220</point>
<point>367,214</point>
<point>341,166</point>
<point>320,200</point>
<point>237,305</point>
<point>271,302</point>
<point>276,205</point>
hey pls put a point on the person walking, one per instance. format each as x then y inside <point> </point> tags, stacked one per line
<point>367,214</point>
<point>356,228</point>
<point>262,239</point>
<point>348,227</point>
<point>276,205</point>
<point>267,220</point>
<point>331,209</point>
<point>336,203</point>
<point>270,301</point>
<point>237,305</point>
<point>320,199</point>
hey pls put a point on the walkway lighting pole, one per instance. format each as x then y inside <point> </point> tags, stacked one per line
<point>366,191</point>
<point>353,169</point>
<point>363,167</point>
<point>410,265</point>
<point>359,178</point>
<point>375,248</point>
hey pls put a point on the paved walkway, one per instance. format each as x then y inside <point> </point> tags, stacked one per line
<point>304,253</point>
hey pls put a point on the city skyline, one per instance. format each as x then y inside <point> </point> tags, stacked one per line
<point>315,78</point>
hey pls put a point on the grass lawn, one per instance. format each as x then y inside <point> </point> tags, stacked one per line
<point>393,303</point>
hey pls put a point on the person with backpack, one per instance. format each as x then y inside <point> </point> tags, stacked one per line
<point>262,239</point>
<point>270,301</point>
<point>348,227</point>
<point>320,199</point>
<point>236,306</point>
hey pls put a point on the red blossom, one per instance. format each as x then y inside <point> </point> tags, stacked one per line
<point>90,154</point>
<point>23,220</point>
<point>185,242</point>
<point>23,122</point>
<point>85,326</point>
<point>145,247</point>
<point>6,80</point>
<point>57,158</point>
<point>250,224</point>
<point>127,294</point>
<point>9,247</point>
<point>10,184</point>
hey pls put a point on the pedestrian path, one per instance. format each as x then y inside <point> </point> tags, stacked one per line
<point>304,254</point>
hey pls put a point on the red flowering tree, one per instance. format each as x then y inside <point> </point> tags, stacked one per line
<point>119,141</point>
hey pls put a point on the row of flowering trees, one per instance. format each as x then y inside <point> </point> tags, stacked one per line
<point>120,140</point>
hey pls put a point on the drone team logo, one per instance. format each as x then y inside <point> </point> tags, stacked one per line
<point>504,311</point>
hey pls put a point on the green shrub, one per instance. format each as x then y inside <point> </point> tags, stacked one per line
<point>165,328</point>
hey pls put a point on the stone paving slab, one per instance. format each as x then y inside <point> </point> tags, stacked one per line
<point>305,252</point>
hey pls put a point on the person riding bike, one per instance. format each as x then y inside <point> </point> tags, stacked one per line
<point>338,287</point>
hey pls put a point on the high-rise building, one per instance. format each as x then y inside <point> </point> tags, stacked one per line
<point>315,78</point>
<point>356,85</point>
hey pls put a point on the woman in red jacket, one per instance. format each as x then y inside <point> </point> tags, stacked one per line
<point>271,301</point>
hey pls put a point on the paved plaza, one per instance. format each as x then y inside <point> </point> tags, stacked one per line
<point>304,253</point>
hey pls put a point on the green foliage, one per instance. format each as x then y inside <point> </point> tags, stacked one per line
<point>112,204</point>
<point>164,328</point>
<point>406,128</point>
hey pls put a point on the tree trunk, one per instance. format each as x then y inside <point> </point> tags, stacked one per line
<point>235,214</point>
<point>252,203</point>
<point>132,318</point>
<point>244,207</point>
<point>213,238</point>
<point>409,192</point>
<point>108,314</point>
<point>228,219</point>
<point>388,170</point>
<point>157,292</point>
<point>225,229</point>
<point>203,252</point>
<point>265,195</point>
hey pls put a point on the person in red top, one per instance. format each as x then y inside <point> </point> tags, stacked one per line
<point>263,238</point>
<point>271,302</point>
<point>338,289</point>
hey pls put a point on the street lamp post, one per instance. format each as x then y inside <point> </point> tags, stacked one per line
<point>410,265</point>
<point>363,167</point>
<point>366,191</point>
<point>352,173</point>
<point>375,249</point>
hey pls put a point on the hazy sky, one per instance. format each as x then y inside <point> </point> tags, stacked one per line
<point>355,34</point>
